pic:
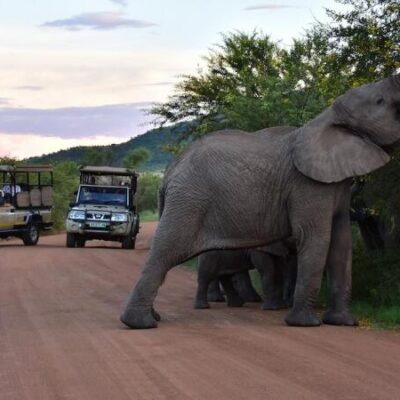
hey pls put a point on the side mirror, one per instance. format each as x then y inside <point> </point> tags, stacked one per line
<point>72,204</point>
<point>75,193</point>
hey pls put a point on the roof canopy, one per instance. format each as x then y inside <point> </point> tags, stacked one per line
<point>104,170</point>
<point>26,168</point>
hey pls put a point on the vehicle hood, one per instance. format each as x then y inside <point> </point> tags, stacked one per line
<point>100,208</point>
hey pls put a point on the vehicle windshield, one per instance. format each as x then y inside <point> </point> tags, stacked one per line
<point>102,195</point>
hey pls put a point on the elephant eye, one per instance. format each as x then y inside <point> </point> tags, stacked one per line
<point>380,101</point>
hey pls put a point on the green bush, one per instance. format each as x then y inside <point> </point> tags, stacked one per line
<point>376,278</point>
<point>66,181</point>
<point>147,192</point>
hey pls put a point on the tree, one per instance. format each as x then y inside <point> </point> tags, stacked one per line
<point>6,160</point>
<point>250,83</point>
<point>366,38</point>
<point>136,157</point>
<point>93,156</point>
<point>66,181</point>
<point>147,192</point>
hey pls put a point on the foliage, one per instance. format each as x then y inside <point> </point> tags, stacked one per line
<point>136,157</point>
<point>148,216</point>
<point>249,83</point>
<point>98,155</point>
<point>147,191</point>
<point>6,160</point>
<point>66,181</point>
<point>154,141</point>
<point>366,38</point>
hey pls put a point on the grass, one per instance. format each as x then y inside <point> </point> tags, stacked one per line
<point>371,316</point>
<point>148,216</point>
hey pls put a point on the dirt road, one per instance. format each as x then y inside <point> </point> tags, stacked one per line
<point>60,338</point>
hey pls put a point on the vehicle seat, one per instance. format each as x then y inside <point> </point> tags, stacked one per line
<point>47,196</point>
<point>35,197</point>
<point>23,199</point>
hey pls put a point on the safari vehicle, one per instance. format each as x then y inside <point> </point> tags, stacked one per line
<point>26,201</point>
<point>104,208</point>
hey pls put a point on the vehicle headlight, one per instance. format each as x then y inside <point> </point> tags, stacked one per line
<point>76,214</point>
<point>119,217</point>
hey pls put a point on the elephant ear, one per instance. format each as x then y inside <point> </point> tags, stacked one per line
<point>331,153</point>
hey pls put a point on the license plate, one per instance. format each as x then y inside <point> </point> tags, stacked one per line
<point>97,224</point>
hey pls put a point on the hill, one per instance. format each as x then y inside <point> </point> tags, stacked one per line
<point>152,140</point>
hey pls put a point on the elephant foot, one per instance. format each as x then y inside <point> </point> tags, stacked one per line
<point>252,298</point>
<point>235,301</point>
<point>201,304</point>
<point>140,318</point>
<point>273,305</point>
<point>331,317</point>
<point>155,314</point>
<point>216,298</point>
<point>302,318</point>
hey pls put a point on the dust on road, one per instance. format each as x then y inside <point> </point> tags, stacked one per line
<point>60,337</point>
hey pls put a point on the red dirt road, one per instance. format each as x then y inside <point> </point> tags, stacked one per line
<point>60,338</point>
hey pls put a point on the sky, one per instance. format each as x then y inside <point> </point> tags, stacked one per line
<point>84,72</point>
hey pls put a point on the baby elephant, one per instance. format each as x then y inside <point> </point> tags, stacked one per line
<point>243,285</point>
<point>275,263</point>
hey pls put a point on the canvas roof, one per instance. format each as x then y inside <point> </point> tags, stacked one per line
<point>105,170</point>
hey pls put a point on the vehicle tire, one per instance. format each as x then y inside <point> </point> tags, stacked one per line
<point>128,242</point>
<point>71,240</point>
<point>80,241</point>
<point>31,236</point>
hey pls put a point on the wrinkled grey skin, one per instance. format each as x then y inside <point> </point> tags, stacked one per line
<point>238,190</point>
<point>272,262</point>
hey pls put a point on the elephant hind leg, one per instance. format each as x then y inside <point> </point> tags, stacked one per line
<point>214,293</point>
<point>233,299</point>
<point>170,247</point>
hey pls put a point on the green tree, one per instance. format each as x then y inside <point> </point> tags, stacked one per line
<point>147,192</point>
<point>136,157</point>
<point>366,38</point>
<point>66,181</point>
<point>94,156</point>
<point>6,160</point>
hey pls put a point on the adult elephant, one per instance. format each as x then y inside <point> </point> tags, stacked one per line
<point>237,190</point>
<point>274,263</point>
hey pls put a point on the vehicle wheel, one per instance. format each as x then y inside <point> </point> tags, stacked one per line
<point>128,242</point>
<point>31,236</point>
<point>71,240</point>
<point>80,241</point>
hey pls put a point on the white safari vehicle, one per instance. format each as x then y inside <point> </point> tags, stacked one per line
<point>26,201</point>
<point>104,208</point>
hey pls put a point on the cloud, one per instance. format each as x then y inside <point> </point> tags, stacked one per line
<point>269,7</point>
<point>99,21</point>
<point>29,87</point>
<point>34,145</point>
<point>164,83</point>
<point>4,100</point>
<point>120,120</point>
<point>123,3</point>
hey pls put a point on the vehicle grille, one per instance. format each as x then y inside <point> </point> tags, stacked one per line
<point>98,216</point>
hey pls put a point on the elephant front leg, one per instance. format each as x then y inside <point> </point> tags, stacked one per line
<point>339,265</point>
<point>312,253</point>
<point>139,312</point>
